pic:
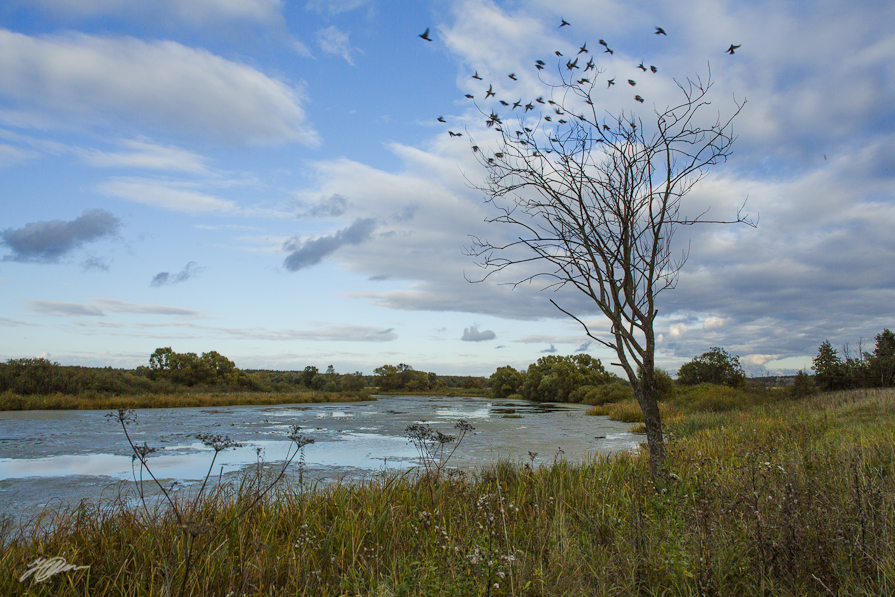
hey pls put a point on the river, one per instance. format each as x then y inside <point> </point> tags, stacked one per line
<point>57,458</point>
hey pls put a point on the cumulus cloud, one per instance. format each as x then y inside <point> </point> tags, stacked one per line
<point>191,270</point>
<point>49,241</point>
<point>180,89</point>
<point>332,7</point>
<point>334,41</point>
<point>311,252</point>
<point>472,334</point>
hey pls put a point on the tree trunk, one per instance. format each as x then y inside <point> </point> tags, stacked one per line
<point>648,395</point>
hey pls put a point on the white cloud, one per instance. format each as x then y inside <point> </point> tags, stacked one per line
<point>166,195</point>
<point>472,334</point>
<point>713,323</point>
<point>163,84</point>
<point>144,154</point>
<point>757,360</point>
<point>334,41</point>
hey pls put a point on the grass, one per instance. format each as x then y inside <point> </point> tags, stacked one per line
<point>774,497</point>
<point>9,401</point>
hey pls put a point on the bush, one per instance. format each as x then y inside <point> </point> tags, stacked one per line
<point>715,366</point>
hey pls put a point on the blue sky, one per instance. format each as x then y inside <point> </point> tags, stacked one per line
<point>268,179</point>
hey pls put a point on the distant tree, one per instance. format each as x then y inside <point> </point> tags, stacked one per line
<point>506,381</point>
<point>883,359</point>
<point>802,385</point>
<point>830,372</point>
<point>308,375</point>
<point>556,378</point>
<point>715,366</point>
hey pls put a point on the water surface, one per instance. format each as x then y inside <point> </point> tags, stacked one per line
<point>61,457</point>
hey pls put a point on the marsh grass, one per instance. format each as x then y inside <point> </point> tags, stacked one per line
<point>776,498</point>
<point>10,401</point>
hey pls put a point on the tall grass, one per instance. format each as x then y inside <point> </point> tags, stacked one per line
<point>776,498</point>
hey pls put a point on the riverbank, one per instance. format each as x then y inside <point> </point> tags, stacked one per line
<point>793,498</point>
<point>14,402</point>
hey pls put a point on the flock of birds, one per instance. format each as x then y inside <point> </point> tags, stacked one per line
<point>571,65</point>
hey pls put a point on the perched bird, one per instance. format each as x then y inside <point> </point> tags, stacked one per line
<point>588,102</point>
<point>475,148</point>
<point>512,76</point>
<point>476,76</point>
<point>610,83</point>
<point>632,82</point>
<point>425,35</point>
<point>660,31</point>
<point>638,98</point>
<point>453,134</point>
<point>654,69</point>
<point>564,23</point>
<point>498,155</point>
<point>583,49</point>
<point>441,119</point>
<point>490,91</point>
<point>641,67</point>
<point>732,48</point>
<point>559,112</point>
<point>606,127</point>
<point>590,64</point>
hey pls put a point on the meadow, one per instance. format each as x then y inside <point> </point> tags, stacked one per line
<point>767,495</point>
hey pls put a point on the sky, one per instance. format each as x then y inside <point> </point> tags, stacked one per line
<point>269,179</point>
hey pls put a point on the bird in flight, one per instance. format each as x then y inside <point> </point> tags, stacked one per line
<point>609,51</point>
<point>517,104</point>
<point>603,43</point>
<point>558,53</point>
<point>564,23</point>
<point>638,98</point>
<point>641,67</point>
<point>425,35</point>
<point>570,65</point>
<point>469,95</point>
<point>654,69</point>
<point>476,76</point>
<point>590,64</point>
<point>583,49</point>
<point>610,83</point>
<point>660,31</point>
<point>453,134</point>
<point>632,82</point>
<point>539,64</point>
<point>441,119</point>
<point>529,106</point>
<point>490,91</point>
<point>503,103</point>
<point>583,81</point>
<point>513,76</point>
<point>732,48</point>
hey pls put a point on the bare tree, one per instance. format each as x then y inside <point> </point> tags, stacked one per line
<point>595,202</point>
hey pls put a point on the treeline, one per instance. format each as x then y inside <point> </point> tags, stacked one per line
<point>404,378</point>
<point>168,372</point>
<point>859,369</point>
